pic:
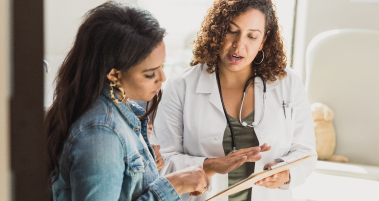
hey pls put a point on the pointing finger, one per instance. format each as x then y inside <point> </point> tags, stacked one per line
<point>265,147</point>
<point>249,150</point>
<point>268,148</point>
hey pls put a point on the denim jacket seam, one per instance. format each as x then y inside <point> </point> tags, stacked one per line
<point>157,193</point>
<point>93,125</point>
<point>128,158</point>
<point>54,191</point>
<point>109,114</point>
<point>120,111</point>
<point>167,191</point>
<point>88,127</point>
<point>124,116</point>
<point>136,110</point>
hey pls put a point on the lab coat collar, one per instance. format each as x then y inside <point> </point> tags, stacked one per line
<point>208,84</point>
<point>269,86</point>
<point>206,81</point>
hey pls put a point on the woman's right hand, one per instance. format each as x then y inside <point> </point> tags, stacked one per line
<point>224,165</point>
<point>191,180</point>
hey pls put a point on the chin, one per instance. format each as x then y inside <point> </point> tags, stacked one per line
<point>235,67</point>
<point>149,98</point>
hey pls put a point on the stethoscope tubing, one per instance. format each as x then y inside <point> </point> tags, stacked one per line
<point>243,99</point>
<point>226,115</point>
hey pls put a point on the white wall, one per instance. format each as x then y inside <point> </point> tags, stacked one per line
<point>4,100</point>
<point>286,11</point>
<point>317,16</point>
<point>181,18</point>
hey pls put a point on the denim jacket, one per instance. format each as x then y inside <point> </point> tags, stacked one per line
<point>104,158</point>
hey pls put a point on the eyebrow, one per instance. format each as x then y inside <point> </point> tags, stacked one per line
<point>248,30</point>
<point>150,69</point>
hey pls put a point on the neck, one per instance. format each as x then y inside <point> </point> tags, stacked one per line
<point>124,101</point>
<point>234,79</point>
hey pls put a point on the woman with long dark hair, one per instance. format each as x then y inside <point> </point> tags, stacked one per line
<point>97,139</point>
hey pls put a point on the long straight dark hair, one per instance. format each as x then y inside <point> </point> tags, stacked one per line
<point>113,35</point>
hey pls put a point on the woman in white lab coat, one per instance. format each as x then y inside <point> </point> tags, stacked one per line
<point>201,105</point>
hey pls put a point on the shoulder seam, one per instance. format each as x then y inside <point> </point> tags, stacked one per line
<point>98,125</point>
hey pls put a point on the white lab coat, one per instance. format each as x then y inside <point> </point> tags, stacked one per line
<point>190,126</point>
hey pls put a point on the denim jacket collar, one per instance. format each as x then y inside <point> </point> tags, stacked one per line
<point>129,111</point>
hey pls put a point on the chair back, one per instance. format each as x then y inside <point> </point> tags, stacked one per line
<point>342,71</point>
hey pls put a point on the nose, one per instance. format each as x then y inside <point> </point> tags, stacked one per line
<point>238,42</point>
<point>161,75</point>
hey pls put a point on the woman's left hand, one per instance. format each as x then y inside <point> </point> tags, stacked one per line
<point>158,157</point>
<point>276,180</point>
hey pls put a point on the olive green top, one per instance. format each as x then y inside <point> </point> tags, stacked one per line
<point>245,137</point>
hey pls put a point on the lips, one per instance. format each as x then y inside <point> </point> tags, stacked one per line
<point>157,91</point>
<point>235,58</point>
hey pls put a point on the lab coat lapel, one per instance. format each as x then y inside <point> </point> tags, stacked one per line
<point>208,84</point>
<point>215,98</point>
<point>258,98</point>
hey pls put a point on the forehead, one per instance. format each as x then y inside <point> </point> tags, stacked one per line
<point>155,58</point>
<point>250,19</point>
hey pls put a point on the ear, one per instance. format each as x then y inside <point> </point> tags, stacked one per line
<point>317,113</point>
<point>328,114</point>
<point>114,75</point>
<point>263,41</point>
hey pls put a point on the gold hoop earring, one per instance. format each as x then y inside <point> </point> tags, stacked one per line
<point>114,86</point>
<point>263,57</point>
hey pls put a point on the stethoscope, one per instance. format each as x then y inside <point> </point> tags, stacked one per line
<point>254,124</point>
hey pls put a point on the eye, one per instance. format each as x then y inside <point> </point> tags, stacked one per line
<point>252,37</point>
<point>232,32</point>
<point>150,76</point>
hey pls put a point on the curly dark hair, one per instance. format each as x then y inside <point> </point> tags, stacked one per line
<point>215,27</point>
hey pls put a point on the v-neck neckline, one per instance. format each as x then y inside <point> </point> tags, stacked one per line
<point>252,113</point>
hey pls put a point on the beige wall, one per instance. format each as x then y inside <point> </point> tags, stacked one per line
<point>317,16</point>
<point>4,101</point>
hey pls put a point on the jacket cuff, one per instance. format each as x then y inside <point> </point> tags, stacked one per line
<point>297,178</point>
<point>200,161</point>
<point>286,185</point>
<point>163,189</point>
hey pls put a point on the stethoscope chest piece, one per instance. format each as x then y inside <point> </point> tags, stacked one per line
<point>232,151</point>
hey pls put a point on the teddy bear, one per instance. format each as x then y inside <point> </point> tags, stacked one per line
<point>324,132</point>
